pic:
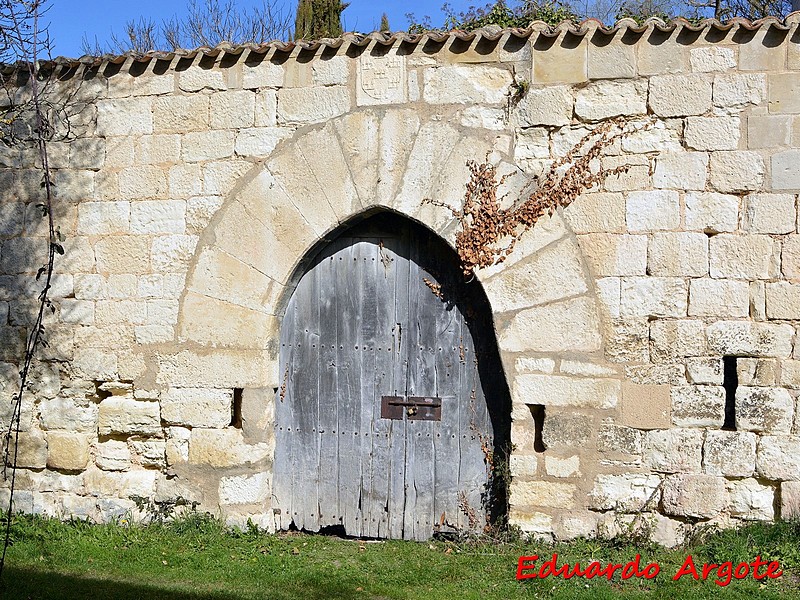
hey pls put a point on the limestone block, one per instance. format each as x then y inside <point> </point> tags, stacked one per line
<point>264,74</point>
<point>122,254</point>
<point>791,257</point>
<point>127,416</point>
<point>199,211</point>
<point>653,210</point>
<point>661,136</point>
<point>681,170</point>
<point>157,149</point>
<point>712,58</point>
<point>680,95</point>
<point>736,171</point>
<point>719,298</point>
<point>678,254</point>
<point>551,105</point>
<point>785,172</point>
<point>110,312</point>
<point>219,177</point>
<point>244,489</point>
<point>656,374</point>
<point>150,453</point>
<point>171,253</point>
<point>121,286</point>
<point>737,90</point>
<point>259,141</point>
<point>783,300</point>
<point>184,180</point>
<point>790,374</point>
<point>606,99</point>
<point>67,451</point>
<point>645,406</point>
<point>181,113</point>
<point>653,297</point>
<point>744,256</point>
<point>729,453</point>
<point>638,173</point>
<point>542,493</point>
<point>562,61</point>
<point>144,181</point>
<point>207,145</point>
<point>618,438</point>
<point>758,372</point>
<point>696,496</point>
<point>624,493</point>
<point>68,415</point>
<point>554,390</point>
<point>224,448</point>
<point>628,340</point>
<point>466,84</point>
<point>95,365</point>
<point>748,338</point>
<point>233,109</point>
<point>532,142</point>
<point>768,131</point>
<point>574,525</point>
<point>197,78</point>
<point>698,406</point>
<point>537,524</point>
<point>266,108</point>
<point>31,450</point>
<point>784,92</point>
<point>177,450</point>
<point>553,273</point>
<point>197,407</point>
<point>673,450</point>
<point>78,312</point>
<point>158,216</point>
<point>534,328</point>
<point>523,465</point>
<point>113,456</point>
<point>769,213</point>
<point>778,458</point>
<point>790,500</point>
<point>562,467</point>
<point>526,364</point>
<point>751,501</point>
<point>713,133</point>
<point>615,255</point>
<point>764,410</point>
<point>608,290</point>
<point>312,104</point>
<point>138,117</point>
<point>566,429</point>
<point>612,61</point>
<point>102,218</point>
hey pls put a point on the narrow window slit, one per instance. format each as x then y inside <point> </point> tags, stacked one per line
<point>730,381</point>
<point>236,409</point>
<point>537,412</point>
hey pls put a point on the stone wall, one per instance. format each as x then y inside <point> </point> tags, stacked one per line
<point>199,181</point>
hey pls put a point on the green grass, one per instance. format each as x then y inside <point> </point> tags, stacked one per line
<point>196,558</point>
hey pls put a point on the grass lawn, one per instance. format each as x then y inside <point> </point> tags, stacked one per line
<point>196,558</point>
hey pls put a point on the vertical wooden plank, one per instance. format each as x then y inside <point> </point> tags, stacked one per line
<point>446,442</point>
<point>424,310</point>
<point>305,379</point>
<point>282,468</point>
<point>375,338</point>
<point>348,291</point>
<point>329,402</point>
<point>395,253</point>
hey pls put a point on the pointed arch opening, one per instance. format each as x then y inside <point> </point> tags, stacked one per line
<point>393,417</point>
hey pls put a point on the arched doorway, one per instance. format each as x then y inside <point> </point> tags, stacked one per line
<point>393,416</point>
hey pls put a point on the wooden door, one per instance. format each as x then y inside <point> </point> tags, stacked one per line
<point>378,319</point>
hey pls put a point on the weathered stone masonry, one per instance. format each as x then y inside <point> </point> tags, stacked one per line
<point>201,180</point>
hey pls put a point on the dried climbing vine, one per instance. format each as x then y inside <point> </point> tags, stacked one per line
<point>489,233</point>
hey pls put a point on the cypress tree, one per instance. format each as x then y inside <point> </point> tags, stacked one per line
<point>318,19</point>
<point>385,23</point>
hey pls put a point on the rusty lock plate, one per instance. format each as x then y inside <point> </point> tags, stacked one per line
<point>416,408</point>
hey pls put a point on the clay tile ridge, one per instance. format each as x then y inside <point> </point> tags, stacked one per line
<point>491,33</point>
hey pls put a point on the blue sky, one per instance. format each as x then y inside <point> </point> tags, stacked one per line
<point>70,20</point>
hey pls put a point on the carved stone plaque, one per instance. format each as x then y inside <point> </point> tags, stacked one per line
<point>381,80</point>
